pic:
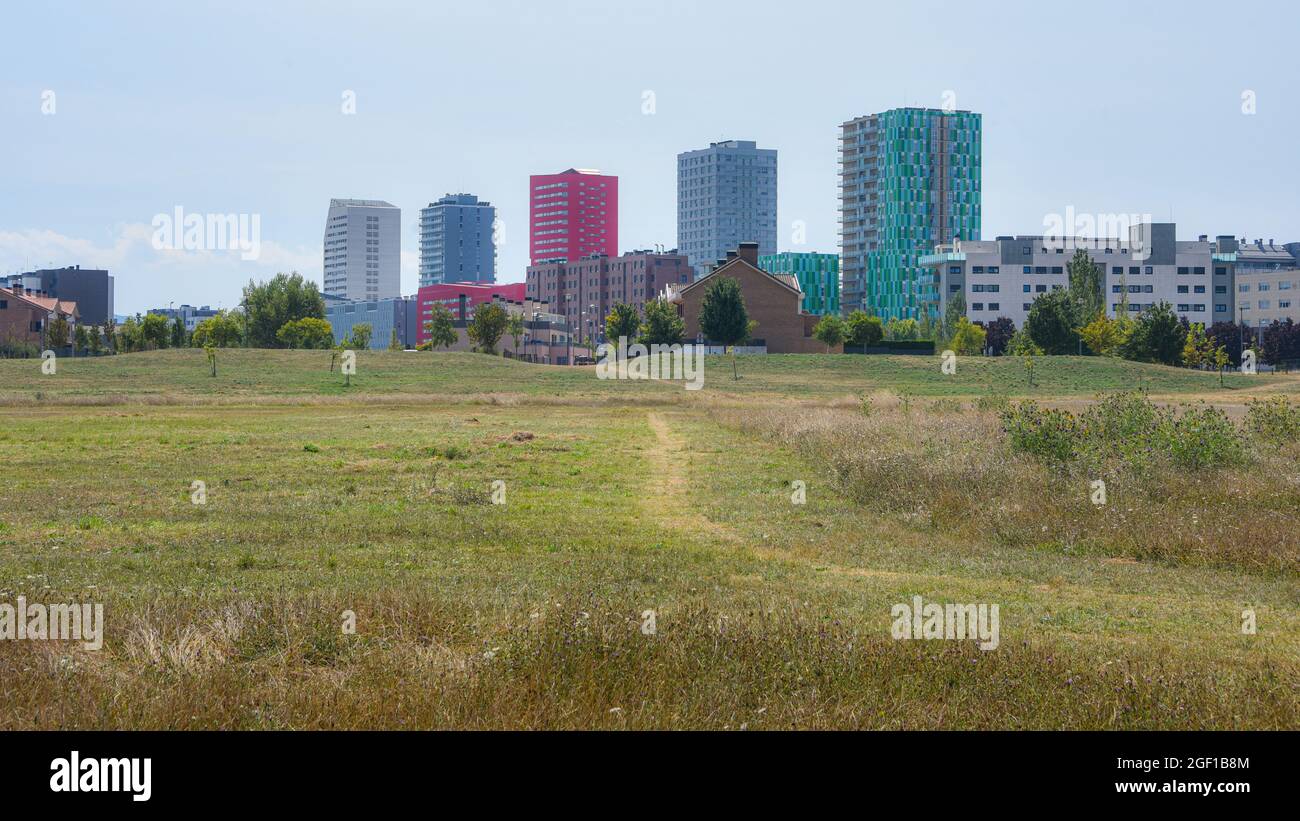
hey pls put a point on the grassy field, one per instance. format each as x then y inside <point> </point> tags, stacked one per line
<point>259,376</point>
<point>623,498</point>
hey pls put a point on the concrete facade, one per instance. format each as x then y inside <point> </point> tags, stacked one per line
<point>726,195</point>
<point>363,250</point>
<point>1002,277</point>
<point>1265,278</point>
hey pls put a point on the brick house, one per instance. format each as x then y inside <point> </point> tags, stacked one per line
<point>771,300</point>
<point>25,313</point>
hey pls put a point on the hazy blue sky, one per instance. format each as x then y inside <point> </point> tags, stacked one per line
<point>235,107</point>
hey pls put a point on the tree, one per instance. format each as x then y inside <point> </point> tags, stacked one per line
<point>997,336</point>
<point>1230,336</point>
<point>440,327</point>
<point>211,351</point>
<point>269,305</point>
<point>82,338</point>
<point>1086,287</point>
<point>1280,341</point>
<point>723,318</point>
<point>1157,336</point>
<point>1021,344</point>
<point>1103,335</point>
<point>953,313</point>
<point>830,331</point>
<point>1198,351</point>
<point>487,326</point>
<point>515,327</point>
<point>178,332</point>
<point>862,331</point>
<point>94,336</point>
<point>57,333</point>
<point>224,330</point>
<point>128,338</point>
<point>394,344</point>
<point>361,333</point>
<point>927,327</point>
<point>1051,323</point>
<point>308,333</point>
<point>623,321</point>
<point>154,331</point>
<point>903,330</point>
<point>968,338</point>
<point>663,325</point>
<point>1220,361</point>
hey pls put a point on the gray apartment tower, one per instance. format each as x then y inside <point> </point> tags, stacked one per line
<point>363,249</point>
<point>456,244</point>
<point>726,195</point>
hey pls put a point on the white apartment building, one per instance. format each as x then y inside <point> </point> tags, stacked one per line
<point>363,250</point>
<point>1002,277</point>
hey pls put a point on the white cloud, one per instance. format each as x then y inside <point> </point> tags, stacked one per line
<point>145,277</point>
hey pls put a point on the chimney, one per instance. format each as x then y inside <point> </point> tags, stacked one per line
<point>748,251</point>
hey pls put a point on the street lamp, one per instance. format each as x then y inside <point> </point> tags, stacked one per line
<point>1241,332</point>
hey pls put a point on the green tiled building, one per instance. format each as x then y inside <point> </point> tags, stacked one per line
<point>818,276</point>
<point>909,180</point>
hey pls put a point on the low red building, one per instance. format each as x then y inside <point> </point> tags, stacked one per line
<point>460,298</point>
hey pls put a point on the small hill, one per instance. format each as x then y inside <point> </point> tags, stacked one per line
<point>286,376</point>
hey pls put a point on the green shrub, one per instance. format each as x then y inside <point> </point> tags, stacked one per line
<point>1128,429</point>
<point>1202,437</point>
<point>1273,420</point>
<point>1046,433</point>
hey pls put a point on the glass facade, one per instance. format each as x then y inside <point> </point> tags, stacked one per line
<point>818,276</point>
<point>910,180</point>
<point>456,241</point>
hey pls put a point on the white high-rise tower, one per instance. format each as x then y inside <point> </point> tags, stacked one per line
<point>363,250</point>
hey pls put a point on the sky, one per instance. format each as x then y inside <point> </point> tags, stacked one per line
<point>113,113</point>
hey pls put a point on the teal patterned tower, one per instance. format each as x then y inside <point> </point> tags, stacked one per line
<point>909,180</point>
<point>818,276</point>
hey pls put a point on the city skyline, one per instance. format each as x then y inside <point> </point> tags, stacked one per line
<point>125,142</point>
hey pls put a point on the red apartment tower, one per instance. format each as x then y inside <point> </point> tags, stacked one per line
<point>572,215</point>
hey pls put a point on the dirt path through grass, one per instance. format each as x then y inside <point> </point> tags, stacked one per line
<point>670,502</point>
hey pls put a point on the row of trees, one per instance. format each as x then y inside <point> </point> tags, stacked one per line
<point>661,325</point>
